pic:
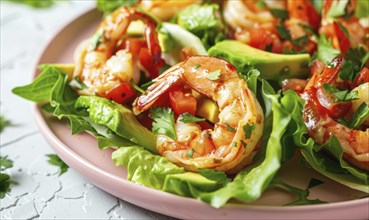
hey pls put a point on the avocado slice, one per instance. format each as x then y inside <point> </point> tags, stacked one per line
<point>271,66</point>
<point>208,109</point>
<point>181,184</point>
<point>117,118</point>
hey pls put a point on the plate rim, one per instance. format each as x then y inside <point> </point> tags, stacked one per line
<point>63,151</point>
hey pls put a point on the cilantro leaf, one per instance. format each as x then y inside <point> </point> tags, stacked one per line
<point>359,116</point>
<point>340,96</point>
<point>187,118</point>
<point>248,130</point>
<point>280,13</point>
<point>286,35</point>
<point>325,51</point>
<point>136,87</point>
<point>163,121</point>
<point>337,9</point>
<point>214,75</point>
<point>229,127</point>
<point>3,123</point>
<point>5,182</point>
<point>56,161</point>
<point>5,163</point>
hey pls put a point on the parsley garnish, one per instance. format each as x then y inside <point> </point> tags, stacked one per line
<point>286,35</point>
<point>338,8</point>
<point>359,116</point>
<point>196,66</point>
<point>3,123</point>
<point>163,121</point>
<point>243,144</point>
<point>248,130</point>
<point>5,180</point>
<point>229,127</point>
<point>214,75</point>
<point>280,13</point>
<point>340,96</point>
<point>187,118</point>
<point>325,51</point>
<point>190,153</point>
<point>56,161</point>
<point>136,87</point>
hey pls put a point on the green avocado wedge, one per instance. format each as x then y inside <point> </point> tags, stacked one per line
<point>117,118</point>
<point>271,66</point>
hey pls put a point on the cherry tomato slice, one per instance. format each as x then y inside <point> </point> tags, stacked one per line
<point>363,77</point>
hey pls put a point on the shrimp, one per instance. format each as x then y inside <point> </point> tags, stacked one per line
<point>344,31</point>
<point>319,114</point>
<point>165,9</point>
<point>256,25</point>
<point>235,138</point>
<point>99,66</point>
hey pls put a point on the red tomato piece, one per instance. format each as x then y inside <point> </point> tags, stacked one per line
<point>121,93</point>
<point>343,40</point>
<point>182,101</point>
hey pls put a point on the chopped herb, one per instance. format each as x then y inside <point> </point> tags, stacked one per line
<point>325,51</point>
<point>196,66</point>
<point>234,144</point>
<point>359,116</point>
<point>338,8</point>
<point>147,85</point>
<point>163,121</point>
<point>286,35</point>
<point>344,29</point>
<point>96,40</point>
<point>248,130</point>
<point>308,29</point>
<point>5,180</point>
<point>314,182</point>
<point>187,118</point>
<point>207,135</point>
<point>5,183</point>
<point>358,56</point>
<point>261,4</point>
<point>243,144</point>
<point>56,161</point>
<point>269,47</point>
<point>229,127</point>
<point>214,75</point>
<point>190,153</point>
<point>348,71</point>
<point>5,163</point>
<point>280,13</point>
<point>340,96</point>
<point>3,123</point>
<point>136,87</point>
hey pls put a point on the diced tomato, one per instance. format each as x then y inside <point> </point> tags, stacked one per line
<point>121,93</point>
<point>305,11</point>
<point>145,120</point>
<point>363,77</point>
<point>182,101</point>
<point>263,40</point>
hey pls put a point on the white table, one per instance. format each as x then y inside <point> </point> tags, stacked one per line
<point>39,192</point>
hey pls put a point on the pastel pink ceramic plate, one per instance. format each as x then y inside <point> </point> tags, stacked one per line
<point>82,154</point>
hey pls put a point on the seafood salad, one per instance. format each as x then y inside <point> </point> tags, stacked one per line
<point>209,99</point>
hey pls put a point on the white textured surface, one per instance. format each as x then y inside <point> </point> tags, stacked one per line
<point>39,192</point>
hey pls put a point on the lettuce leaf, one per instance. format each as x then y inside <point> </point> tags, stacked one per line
<point>336,169</point>
<point>202,20</point>
<point>143,167</point>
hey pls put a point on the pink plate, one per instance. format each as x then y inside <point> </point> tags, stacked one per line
<point>82,154</point>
